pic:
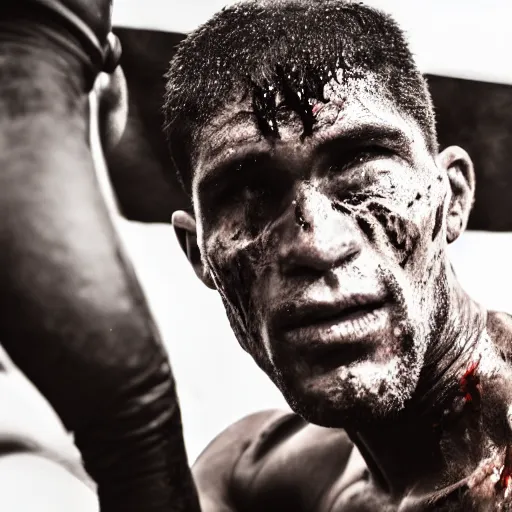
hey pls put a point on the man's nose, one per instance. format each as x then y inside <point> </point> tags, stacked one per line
<point>315,237</point>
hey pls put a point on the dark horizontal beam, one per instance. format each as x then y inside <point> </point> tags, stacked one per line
<point>478,117</point>
<point>474,115</point>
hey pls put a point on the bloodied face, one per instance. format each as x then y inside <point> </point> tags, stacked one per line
<point>328,247</point>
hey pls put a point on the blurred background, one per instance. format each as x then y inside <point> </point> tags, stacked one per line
<point>464,48</point>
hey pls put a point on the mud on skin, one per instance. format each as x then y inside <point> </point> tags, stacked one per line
<point>240,262</point>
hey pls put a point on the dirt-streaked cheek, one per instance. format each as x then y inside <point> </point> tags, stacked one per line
<point>239,264</point>
<point>394,204</point>
<point>399,225</point>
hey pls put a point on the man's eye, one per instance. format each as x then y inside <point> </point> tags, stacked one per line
<point>263,197</point>
<point>255,191</point>
<point>358,157</point>
<point>257,197</point>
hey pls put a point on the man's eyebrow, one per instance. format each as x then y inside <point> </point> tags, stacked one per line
<point>240,117</point>
<point>368,135</point>
<point>224,166</point>
<point>223,137</point>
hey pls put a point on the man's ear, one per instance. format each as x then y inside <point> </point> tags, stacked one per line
<point>461,175</point>
<point>185,228</point>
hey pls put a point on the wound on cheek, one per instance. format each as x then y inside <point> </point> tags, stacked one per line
<point>363,223</point>
<point>403,234</point>
<point>339,207</point>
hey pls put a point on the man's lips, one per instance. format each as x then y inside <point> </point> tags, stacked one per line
<point>308,314</point>
<point>341,331</point>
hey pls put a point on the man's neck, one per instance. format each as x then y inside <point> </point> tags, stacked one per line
<point>457,419</point>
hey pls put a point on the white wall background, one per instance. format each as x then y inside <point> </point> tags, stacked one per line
<point>217,381</point>
<point>461,38</point>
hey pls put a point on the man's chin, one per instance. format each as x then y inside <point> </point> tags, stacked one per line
<point>349,397</point>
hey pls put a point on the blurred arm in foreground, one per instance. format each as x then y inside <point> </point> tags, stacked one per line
<point>72,316</point>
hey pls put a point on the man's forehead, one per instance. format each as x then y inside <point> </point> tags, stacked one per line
<point>344,108</point>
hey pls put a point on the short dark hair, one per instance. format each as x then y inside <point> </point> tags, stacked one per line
<point>292,47</point>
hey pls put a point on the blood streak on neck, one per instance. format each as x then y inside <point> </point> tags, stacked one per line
<point>470,383</point>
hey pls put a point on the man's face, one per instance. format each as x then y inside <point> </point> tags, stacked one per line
<point>328,250</point>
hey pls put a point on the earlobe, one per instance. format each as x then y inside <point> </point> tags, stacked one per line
<point>185,229</point>
<point>459,168</point>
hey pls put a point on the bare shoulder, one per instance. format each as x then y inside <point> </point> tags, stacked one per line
<point>214,468</point>
<point>270,458</point>
<point>499,326</point>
